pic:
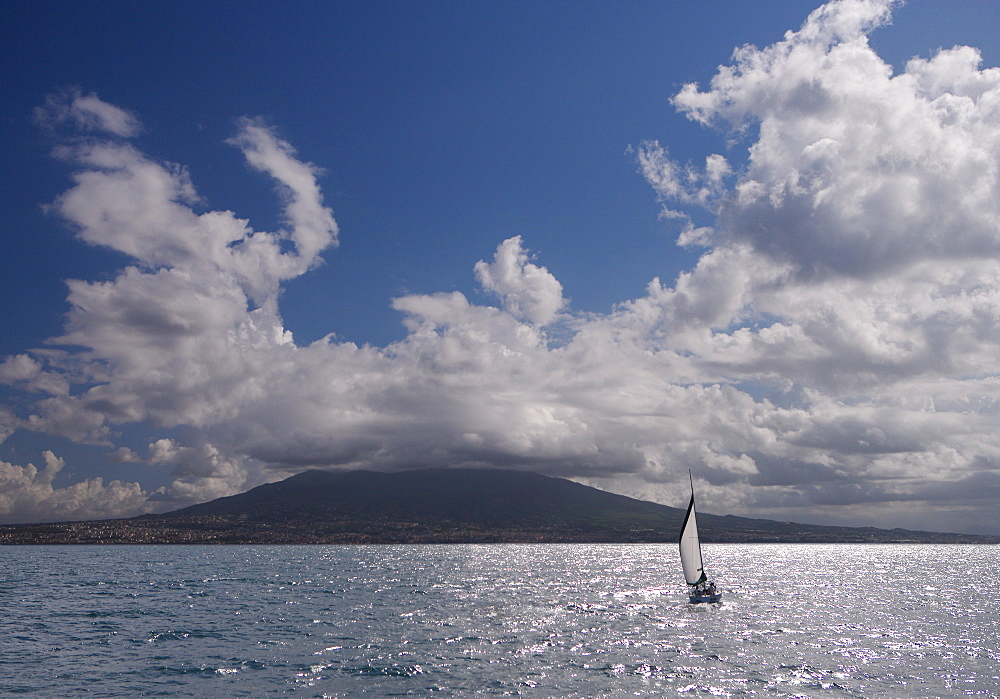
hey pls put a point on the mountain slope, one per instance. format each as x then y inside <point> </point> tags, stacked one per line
<point>440,506</point>
<point>481,497</point>
<point>455,504</point>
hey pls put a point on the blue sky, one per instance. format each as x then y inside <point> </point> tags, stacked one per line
<point>546,141</point>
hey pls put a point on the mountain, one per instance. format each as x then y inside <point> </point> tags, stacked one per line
<point>439,505</point>
<point>491,498</point>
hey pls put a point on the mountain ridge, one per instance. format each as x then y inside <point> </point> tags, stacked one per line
<point>442,505</point>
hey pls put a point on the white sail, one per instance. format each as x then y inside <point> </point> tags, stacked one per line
<point>694,569</point>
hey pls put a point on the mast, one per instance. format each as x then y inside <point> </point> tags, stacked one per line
<point>690,545</point>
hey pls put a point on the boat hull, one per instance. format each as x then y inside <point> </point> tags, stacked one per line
<point>706,599</point>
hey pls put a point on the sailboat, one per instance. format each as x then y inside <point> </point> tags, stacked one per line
<point>700,588</point>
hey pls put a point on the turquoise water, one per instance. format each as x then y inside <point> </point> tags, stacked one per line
<point>538,620</point>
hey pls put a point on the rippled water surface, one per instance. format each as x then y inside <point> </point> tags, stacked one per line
<point>542,620</point>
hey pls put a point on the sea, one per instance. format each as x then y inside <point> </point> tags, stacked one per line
<point>548,620</point>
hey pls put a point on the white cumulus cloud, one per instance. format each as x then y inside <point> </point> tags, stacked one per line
<point>27,494</point>
<point>88,113</point>
<point>528,291</point>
